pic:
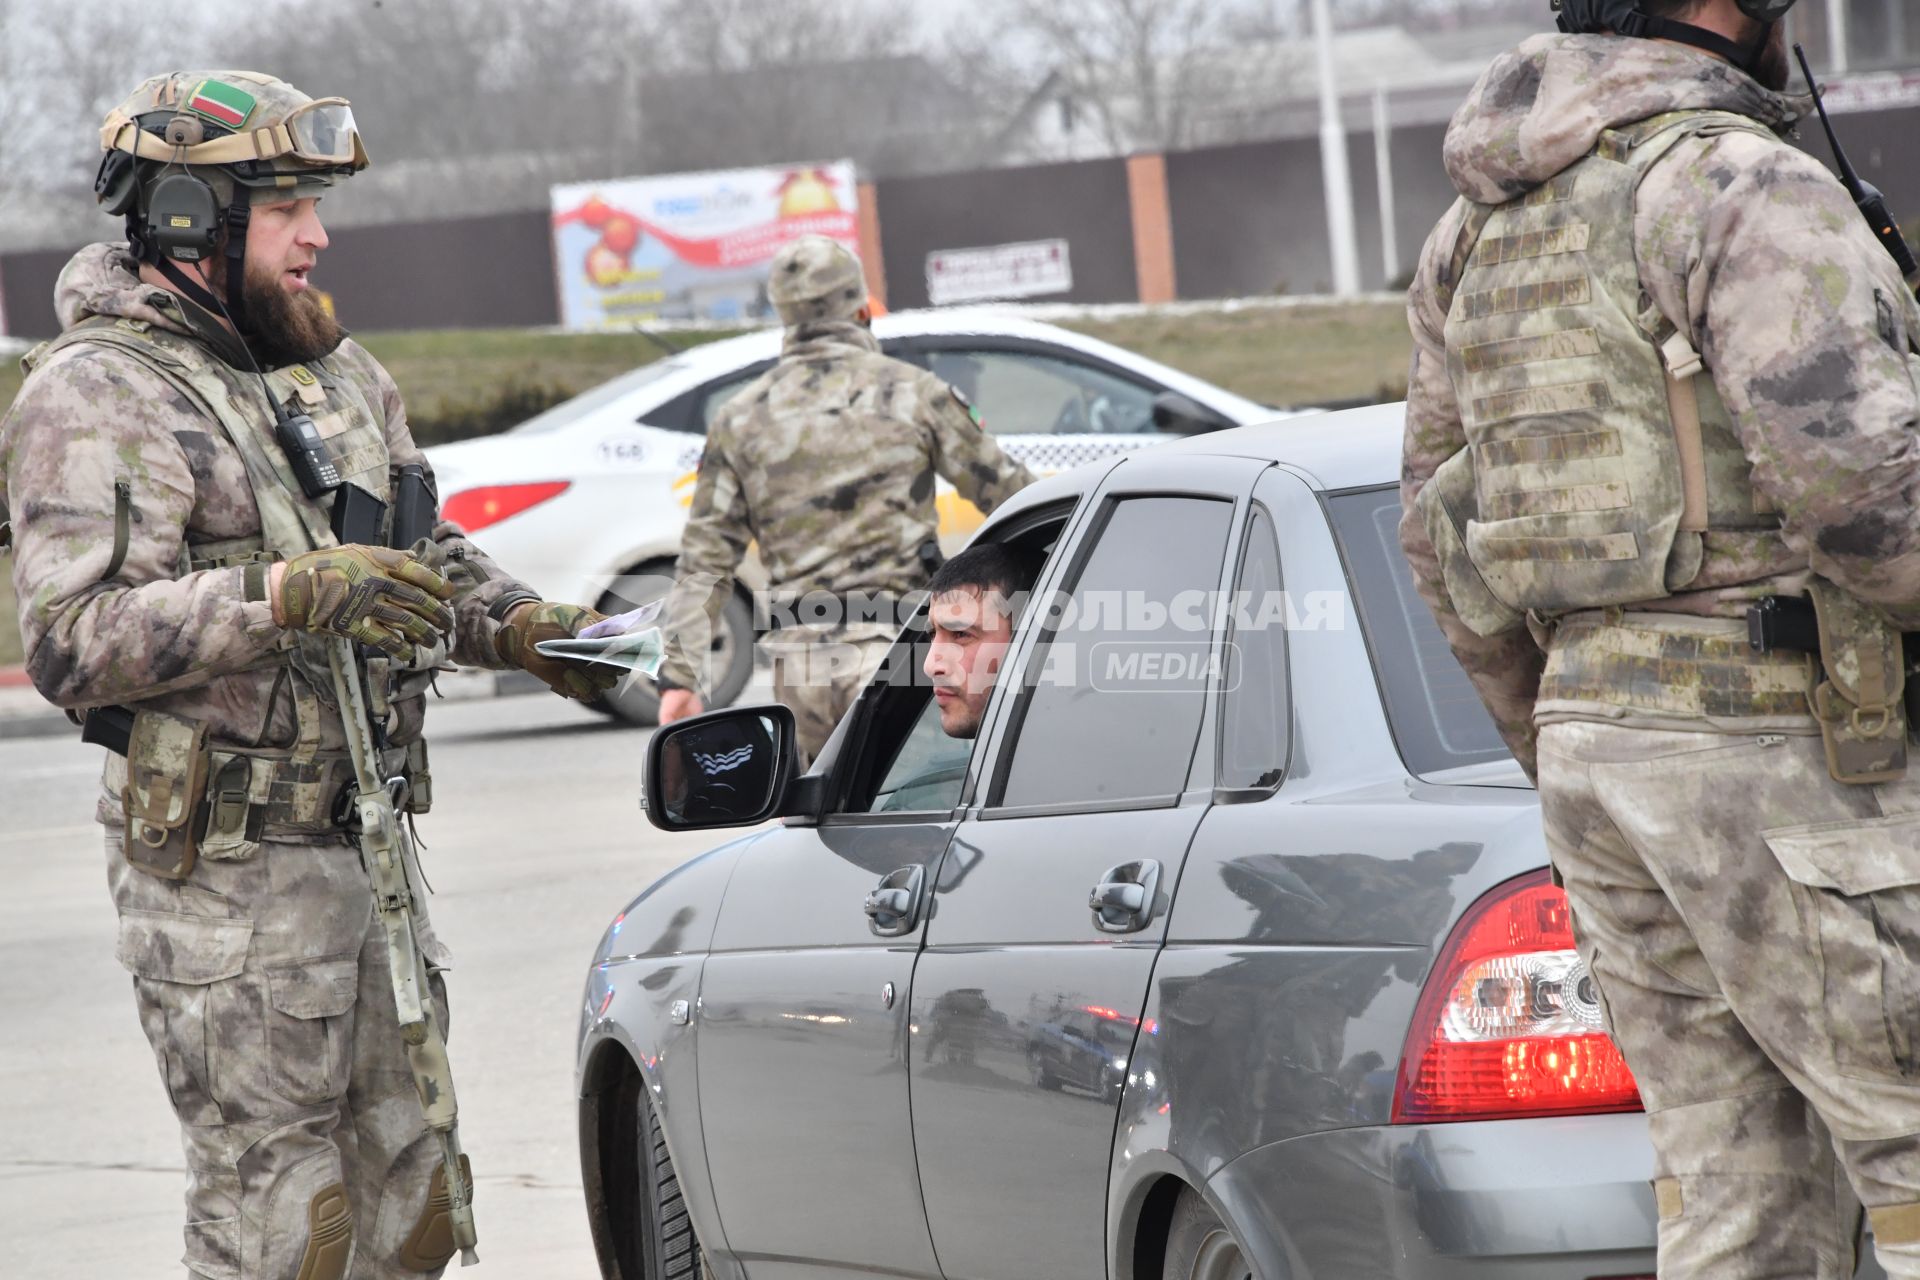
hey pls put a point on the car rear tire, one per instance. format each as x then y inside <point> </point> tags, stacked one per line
<point>732,647</point>
<point>1199,1246</point>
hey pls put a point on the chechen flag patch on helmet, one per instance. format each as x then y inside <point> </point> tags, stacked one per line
<point>221,103</point>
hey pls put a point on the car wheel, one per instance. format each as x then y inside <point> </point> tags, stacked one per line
<point>732,647</point>
<point>668,1248</point>
<point>1199,1246</point>
<point>1043,1076</point>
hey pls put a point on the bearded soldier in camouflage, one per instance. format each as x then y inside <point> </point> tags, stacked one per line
<point>1663,371</point>
<point>828,461</point>
<point>168,559</point>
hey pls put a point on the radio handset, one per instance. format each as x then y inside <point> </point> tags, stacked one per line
<point>306,451</point>
<point>1866,197</point>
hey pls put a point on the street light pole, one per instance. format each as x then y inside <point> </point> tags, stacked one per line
<point>1383,178</point>
<point>1333,164</point>
<point>1837,36</point>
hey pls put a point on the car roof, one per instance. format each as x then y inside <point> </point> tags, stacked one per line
<point>1351,449</point>
<point>709,359</point>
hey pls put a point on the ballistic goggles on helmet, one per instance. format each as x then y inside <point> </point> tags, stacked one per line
<point>321,133</point>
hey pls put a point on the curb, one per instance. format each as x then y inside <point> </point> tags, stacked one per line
<point>14,678</point>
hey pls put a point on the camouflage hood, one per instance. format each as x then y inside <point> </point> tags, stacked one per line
<point>104,280</point>
<point>1542,106</point>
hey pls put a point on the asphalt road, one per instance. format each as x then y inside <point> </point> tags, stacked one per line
<point>535,842</point>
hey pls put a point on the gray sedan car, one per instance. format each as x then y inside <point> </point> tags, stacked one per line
<point>1227,948</point>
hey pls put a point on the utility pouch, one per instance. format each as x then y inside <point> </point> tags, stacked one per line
<point>238,790</point>
<point>1447,504</point>
<point>167,760</point>
<point>1859,691</point>
<point>419,778</point>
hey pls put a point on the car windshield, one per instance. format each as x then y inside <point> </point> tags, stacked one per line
<point>570,411</point>
<point>1437,717</point>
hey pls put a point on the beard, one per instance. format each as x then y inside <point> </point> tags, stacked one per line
<point>1773,68</point>
<point>282,328</point>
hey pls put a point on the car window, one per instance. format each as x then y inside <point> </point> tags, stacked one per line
<point>1437,718</point>
<point>714,396</point>
<point>927,772</point>
<point>570,411</point>
<point>1027,393</point>
<point>902,761</point>
<point>1115,693</point>
<point>1254,721</point>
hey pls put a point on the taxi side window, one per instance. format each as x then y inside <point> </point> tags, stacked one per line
<point>1126,665</point>
<point>1029,393</point>
<point>714,397</point>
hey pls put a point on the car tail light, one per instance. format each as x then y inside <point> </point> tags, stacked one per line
<point>1509,1024</point>
<point>474,509</point>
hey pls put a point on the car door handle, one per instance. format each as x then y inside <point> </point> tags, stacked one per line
<point>1123,900</point>
<point>893,909</point>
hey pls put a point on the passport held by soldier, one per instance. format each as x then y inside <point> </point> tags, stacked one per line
<point>828,462</point>
<point>1664,376</point>
<point>225,554</point>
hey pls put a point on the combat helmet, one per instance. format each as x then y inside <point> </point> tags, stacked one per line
<point>1624,17</point>
<point>816,279</point>
<point>188,153</point>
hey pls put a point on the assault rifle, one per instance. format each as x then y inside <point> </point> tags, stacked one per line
<point>375,803</point>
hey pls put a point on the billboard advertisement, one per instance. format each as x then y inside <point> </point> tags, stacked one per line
<point>693,247</point>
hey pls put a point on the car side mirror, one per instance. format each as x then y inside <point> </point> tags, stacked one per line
<point>1181,415</point>
<point>730,768</point>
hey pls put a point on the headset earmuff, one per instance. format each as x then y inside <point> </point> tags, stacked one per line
<point>117,183</point>
<point>182,218</point>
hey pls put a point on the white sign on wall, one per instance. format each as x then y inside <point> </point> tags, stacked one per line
<point>998,271</point>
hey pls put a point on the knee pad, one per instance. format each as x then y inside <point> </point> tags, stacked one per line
<point>430,1245</point>
<point>1773,1205</point>
<point>329,1236</point>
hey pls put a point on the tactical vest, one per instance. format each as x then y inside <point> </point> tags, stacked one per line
<point>1597,454</point>
<point>250,790</point>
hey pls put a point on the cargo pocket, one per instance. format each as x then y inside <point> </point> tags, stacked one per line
<point>309,1036</point>
<point>175,960</point>
<point>1864,879</point>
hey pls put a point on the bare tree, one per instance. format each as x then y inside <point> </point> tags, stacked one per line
<point>733,82</point>
<point>1136,65</point>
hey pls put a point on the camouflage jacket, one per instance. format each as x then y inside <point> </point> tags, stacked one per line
<point>1756,252</point>
<point>828,460</point>
<point>90,417</point>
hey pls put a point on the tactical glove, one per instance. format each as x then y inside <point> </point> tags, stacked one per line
<point>370,595</point>
<point>549,621</point>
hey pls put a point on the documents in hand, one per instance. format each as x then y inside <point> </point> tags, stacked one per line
<point>623,641</point>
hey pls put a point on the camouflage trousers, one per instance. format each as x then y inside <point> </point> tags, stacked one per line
<point>1754,931</point>
<point>818,681</point>
<point>262,986</point>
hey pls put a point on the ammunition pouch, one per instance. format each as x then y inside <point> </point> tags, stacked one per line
<point>167,763</point>
<point>1859,689</point>
<point>1447,505</point>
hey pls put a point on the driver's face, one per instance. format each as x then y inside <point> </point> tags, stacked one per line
<point>971,632</point>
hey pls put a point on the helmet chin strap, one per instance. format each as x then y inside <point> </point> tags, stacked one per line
<point>1650,28</point>
<point>239,215</point>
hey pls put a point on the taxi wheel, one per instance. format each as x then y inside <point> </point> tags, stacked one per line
<point>1199,1246</point>
<point>732,647</point>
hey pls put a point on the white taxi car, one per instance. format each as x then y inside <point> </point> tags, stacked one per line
<point>586,502</point>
